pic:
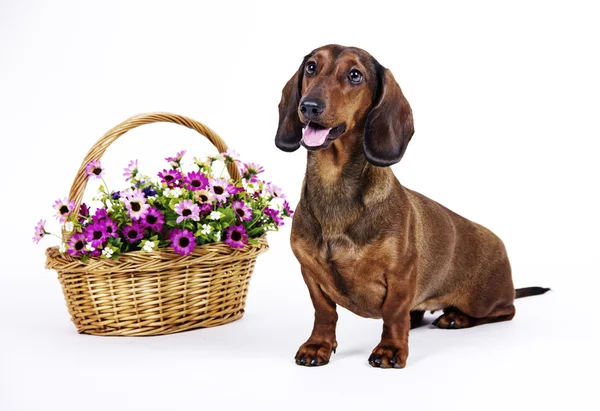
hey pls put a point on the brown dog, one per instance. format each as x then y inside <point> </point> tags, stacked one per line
<point>365,242</point>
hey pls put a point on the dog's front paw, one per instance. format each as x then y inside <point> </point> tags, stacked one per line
<point>314,354</point>
<point>388,356</point>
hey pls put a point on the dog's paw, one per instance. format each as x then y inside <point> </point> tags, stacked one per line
<point>314,354</point>
<point>452,320</point>
<point>388,356</point>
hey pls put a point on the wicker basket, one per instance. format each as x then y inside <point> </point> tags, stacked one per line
<point>159,292</point>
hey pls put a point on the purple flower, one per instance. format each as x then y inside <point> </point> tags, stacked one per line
<point>131,170</point>
<point>242,210</point>
<point>133,232</point>
<point>219,189</point>
<point>287,209</point>
<point>153,220</point>
<point>182,241</point>
<point>84,213</point>
<point>149,192</point>
<point>94,169</point>
<point>230,155</point>
<point>99,215</point>
<point>187,210</point>
<point>110,227</point>
<point>174,161</point>
<point>136,204</point>
<point>250,171</point>
<point>40,231</point>
<point>274,190</point>
<point>63,208</point>
<point>233,190</point>
<point>77,245</point>
<point>274,214</point>
<point>115,195</point>
<point>195,181</point>
<point>96,234</point>
<point>236,236</point>
<point>172,178</point>
<point>205,209</point>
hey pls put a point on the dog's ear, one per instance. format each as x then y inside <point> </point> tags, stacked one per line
<point>389,126</point>
<point>289,131</point>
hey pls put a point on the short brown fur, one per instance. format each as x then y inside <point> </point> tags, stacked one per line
<point>364,241</point>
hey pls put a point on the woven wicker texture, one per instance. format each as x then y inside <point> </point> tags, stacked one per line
<point>159,292</point>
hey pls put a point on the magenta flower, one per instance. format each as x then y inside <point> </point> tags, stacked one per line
<point>274,214</point>
<point>96,234</point>
<point>110,227</point>
<point>219,189</point>
<point>182,241</point>
<point>230,155</point>
<point>77,245</point>
<point>84,213</point>
<point>242,210</point>
<point>94,169</point>
<point>136,204</point>
<point>40,231</point>
<point>274,190</point>
<point>153,220</point>
<point>233,190</point>
<point>195,181</point>
<point>99,215</point>
<point>174,161</point>
<point>205,209</point>
<point>236,236</point>
<point>133,232</point>
<point>172,178</point>
<point>250,171</point>
<point>131,170</point>
<point>187,210</point>
<point>287,209</point>
<point>63,208</point>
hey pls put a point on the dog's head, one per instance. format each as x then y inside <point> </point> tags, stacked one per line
<point>339,91</point>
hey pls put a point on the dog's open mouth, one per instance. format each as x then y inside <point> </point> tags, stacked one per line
<point>316,136</point>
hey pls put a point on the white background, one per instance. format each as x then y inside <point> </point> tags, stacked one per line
<point>506,102</point>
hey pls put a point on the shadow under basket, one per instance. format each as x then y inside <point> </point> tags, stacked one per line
<point>159,292</point>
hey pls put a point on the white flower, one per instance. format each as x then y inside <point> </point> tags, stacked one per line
<point>63,247</point>
<point>172,192</point>
<point>89,247</point>
<point>216,157</point>
<point>149,246</point>
<point>217,236</point>
<point>107,252</point>
<point>206,229</point>
<point>215,215</point>
<point>109,207</point>
<point>69,226</point>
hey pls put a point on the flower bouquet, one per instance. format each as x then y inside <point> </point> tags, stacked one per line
<point>168,253</point>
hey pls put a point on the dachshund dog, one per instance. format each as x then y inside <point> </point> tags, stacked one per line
<point>364,241</point>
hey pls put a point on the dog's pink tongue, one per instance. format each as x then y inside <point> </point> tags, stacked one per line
<point>313,136</point>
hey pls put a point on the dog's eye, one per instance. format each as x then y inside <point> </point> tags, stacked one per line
<point>355,76</point>
<point>311,67</point>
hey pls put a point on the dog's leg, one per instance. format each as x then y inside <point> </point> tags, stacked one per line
<point>416,319</point>
<point>454,319</point>
<point>317,349</point>
<point>392,351</point>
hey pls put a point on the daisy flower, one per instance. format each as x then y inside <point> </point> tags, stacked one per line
<point>274,214</point>
<point>99,215</point>
<point>242,210</point>
<point>131,170</point>
<point>205,208</point>
<point>110,227</point>
<point>287,210</point>
<point>175,161</point>
<point>274,190</point>
<point>183,241</point>
<point>202,196</point>
<point>133,232</point>
<point>236,236</point>
<point>187,210</point>
<point>63,208</point>
<point>195,181</point>
<point>95,234</point>
<point>230,156</point>
<point>77,245</point>
<point>136,204</point>
<point>233,190</point>
<point>153,220</point>
<point>218,188</point>
<point>94,169</point>
<point>172,178</point>
<point>250,171</point>
<point>203,165</point>
<point>84,212</point>
<point>40,231</point>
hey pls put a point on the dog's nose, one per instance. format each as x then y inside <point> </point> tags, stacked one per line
<point>312,108</point>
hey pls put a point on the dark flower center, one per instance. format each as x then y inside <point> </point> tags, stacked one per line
<point>204,198</point>
<point>63,209</point>
<point>97,235</point>
<point>240,212</point>
<point>109,229</point>
<point>218,190</point>
<point>236,235</point>
<point>135,206</point>
<point>151,219</point>
<point>196,183</point>
<point>79,245</point>
<point>186,212</point>
<point>97,171</point>
<point>132,234</point>
<point>169,178</point>
<point>184,242</point>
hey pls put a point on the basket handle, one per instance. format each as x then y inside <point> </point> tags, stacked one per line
<point>98,149</point>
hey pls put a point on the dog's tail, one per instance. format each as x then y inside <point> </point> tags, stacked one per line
<point>529,291</point>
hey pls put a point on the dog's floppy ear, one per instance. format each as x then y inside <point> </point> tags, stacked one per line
<point>289,131</point>
<point>389,126</point>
